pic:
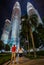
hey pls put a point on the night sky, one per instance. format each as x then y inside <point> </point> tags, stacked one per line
<point>7,5</point>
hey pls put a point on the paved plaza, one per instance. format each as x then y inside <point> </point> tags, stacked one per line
<point>26,61</point>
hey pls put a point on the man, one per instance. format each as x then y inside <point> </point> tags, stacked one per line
<point>13,53</point>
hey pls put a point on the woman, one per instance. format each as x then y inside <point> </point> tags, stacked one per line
<point>20,53</point>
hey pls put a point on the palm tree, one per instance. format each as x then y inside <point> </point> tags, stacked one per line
<point>27,25</point>
<point>24,30</point>
<point>33,19</point>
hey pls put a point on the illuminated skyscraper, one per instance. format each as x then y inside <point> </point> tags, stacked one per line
<point>16,20</point>
<point>31,10</point>
<point>6,31</point>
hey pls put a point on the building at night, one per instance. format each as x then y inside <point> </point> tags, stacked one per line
<point>15,21</point>
<point>31,10</point>
<point>6,31</point>
<point>14,26</point>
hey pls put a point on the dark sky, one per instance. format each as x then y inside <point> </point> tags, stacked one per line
<point>7,5</point>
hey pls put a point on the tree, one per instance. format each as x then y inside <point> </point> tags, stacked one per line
<point>24,31</point>
<point>43,20</point>
<point>33,19</point>
<point>7,47</point>
<point>1,45</point>
<point>27,25</point>
<point>36,39</point>
<point>40,30</point>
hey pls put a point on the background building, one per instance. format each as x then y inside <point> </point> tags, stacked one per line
<point>6,31</point>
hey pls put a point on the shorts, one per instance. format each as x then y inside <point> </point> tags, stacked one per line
<point>13,54</point>
<point>20,54</point>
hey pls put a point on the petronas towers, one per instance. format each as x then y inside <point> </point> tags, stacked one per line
<point>13,26</point>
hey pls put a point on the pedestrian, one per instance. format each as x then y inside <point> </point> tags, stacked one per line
<point>13,57</point>
<point>20,53</point>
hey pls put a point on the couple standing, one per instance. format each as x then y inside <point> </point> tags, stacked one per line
<point>20,51</point>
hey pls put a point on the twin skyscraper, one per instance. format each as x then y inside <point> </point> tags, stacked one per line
<point>14,26</point>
